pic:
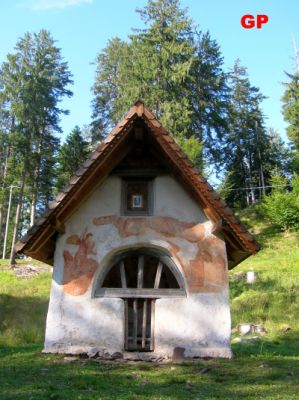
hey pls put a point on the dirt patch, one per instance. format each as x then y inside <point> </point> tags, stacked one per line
<point>28,270</point>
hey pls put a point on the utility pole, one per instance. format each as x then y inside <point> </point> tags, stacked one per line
<point>7,220</point>
<point>262,178</point>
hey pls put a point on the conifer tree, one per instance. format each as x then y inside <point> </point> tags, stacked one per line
<point>251,152</point>
<point>71,156</point>
<point>33,80</point>
<point>290,108</point>
<point>176,70</point>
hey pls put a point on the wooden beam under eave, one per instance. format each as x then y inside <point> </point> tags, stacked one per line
<point>139,108</point>
<point>91,183</point>
<point>43,257</point>
<point>237,259</point>
<point>233,240</point>
<point>41,249</point>
<point>43,236</point>
<point>212,215</point>
<point>139,134</point>
<point>57,225</point>
<point>45,253</point>
<point>237,255</point>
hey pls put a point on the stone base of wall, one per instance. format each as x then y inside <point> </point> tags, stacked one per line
<point>178,353</point>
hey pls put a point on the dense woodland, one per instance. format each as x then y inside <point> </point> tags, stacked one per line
<point>177,70</point>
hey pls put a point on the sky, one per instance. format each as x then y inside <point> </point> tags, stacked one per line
<point>82,29</point>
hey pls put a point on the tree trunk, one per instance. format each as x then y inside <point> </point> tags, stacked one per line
<point>12,260</point>
<point>247,198</point>
<point>262,178</point>
<point>34,189</point>
<point>1,224</point>
<point>252,193</point>
<point>33,205</point>
<point>3,189</point>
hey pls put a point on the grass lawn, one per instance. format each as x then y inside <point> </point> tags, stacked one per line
<point>27,374</point>
<point>264,369</point>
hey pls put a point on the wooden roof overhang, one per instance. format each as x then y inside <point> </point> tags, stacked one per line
<point>39,242</point>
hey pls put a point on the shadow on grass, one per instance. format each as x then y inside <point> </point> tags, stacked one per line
<point>26,374</point>
<point>238,285</point>
<point>267,233</point>
<point>285,345</point>
<point>22,319</point>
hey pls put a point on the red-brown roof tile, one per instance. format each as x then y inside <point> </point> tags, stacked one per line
<point>177,156</point>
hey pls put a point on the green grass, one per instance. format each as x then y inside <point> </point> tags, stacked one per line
<point>29,375</point>
<point>266,369</point>
<point>273,300</point>
<point>23,307</point>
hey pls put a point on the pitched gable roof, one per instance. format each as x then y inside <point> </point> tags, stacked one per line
<point>39,242</point>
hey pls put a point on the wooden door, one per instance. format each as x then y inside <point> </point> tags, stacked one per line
<point>139,324</point>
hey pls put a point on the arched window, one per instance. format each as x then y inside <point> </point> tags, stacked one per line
<point>143,273</point>
<point>140,277</point>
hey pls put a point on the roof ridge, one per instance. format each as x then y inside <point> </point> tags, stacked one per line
<point>206,194</point>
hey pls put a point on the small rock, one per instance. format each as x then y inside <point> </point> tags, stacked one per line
<point>237,340</point>
<point>259,329</point>
<point>131,357</point>
<point>204,370</point>
<point>89,389</point>
<point>135,376</point>
<point>286,329</point>
<point>70,358</point>
<point>178,354</point>
<point>158,359</point>
<point>253,339</point>
<point>245,328</point>
<point>117,355</point>
<point>93,352</point>
<point>246,340</point>
<point>263,366</point>
<point>107,356</point>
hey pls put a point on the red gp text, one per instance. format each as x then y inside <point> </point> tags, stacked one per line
<point>249,21</point>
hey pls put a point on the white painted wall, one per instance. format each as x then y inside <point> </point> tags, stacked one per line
<point>200,322</point>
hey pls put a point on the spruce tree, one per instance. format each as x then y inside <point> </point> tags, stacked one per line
<point>71,156</point>
<point>251,152</point>
<point>290,108</point>
<point>33,80</point>
<point>174,69</point>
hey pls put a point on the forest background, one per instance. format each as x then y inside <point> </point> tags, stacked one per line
<point>214,111</point>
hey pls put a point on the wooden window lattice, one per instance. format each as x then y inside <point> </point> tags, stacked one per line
<point>139,279</point>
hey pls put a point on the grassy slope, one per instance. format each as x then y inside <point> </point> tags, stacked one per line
<point>267,369</point>
<point>273,300</point>
<point>23,307</point>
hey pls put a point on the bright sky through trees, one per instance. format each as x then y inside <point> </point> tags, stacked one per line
<point>83,27</point>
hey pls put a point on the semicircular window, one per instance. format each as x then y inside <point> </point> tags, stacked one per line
<point>142,273</point>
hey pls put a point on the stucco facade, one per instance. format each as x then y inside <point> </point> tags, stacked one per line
<point>198,322</point>
<point>141,245</point>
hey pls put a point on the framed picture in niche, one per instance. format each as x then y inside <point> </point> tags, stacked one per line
<point>137,201</point>
<point>137,197</point>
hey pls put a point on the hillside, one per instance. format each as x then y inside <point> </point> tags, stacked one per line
<point>273,299</point>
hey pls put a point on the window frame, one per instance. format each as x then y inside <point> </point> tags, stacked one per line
<point>155,293</point>
<point>149,181</point>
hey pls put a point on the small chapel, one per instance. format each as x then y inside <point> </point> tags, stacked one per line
<point>140,245</point>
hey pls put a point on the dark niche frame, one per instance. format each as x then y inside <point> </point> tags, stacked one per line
<point>142,189</point>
